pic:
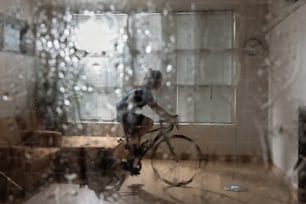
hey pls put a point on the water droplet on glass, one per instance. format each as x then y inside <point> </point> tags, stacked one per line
<point>49,44</point>
<point>115,197</point>
<point>130,72</point>
<point>64,126</point>
<point>130,107</point>
<point>67,102</point>
<point>59,110</point>
<point>165,12</point>
<point>112,7</point>
<point>51,196</point>
<point>169,68</point>
<point>260,72</point>
<point>126,78</point>
<point>61,75</point>
<point>147,32</point>
<point>189,99</point>
<point>118,92</point>
<point>121,30</point>
<point>11,198</point>
<point>71,177</point>
<point>84,88</point>
<point>80,126</point>
<point>172,39</point>
<point>193,6</point>
<point>67,32</point>
<point>113,129</point>
<point>77,88</point>
<point>75,59</point>
<point>6,97</point>
<point>62,89</point>
<point>68,17</point>
<point>28,155</point>
<point>67,58</point>
<point>74,193</point>
<point>148,49</point>
<point>165,156</point>
<point>278,63</point>
<point>120,48</point>
<point>259,89</point>
<point>90,89</point>
<point>84,77</point>
<point>125,37</point>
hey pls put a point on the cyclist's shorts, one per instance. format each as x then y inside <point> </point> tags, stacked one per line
<point>130,122</point>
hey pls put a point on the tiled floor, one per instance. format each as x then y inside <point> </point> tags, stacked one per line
<point>264,187</point>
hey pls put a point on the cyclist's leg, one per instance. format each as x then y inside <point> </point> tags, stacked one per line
<point>130,122</point>
<point>120,152</point>
<point>143,126</point>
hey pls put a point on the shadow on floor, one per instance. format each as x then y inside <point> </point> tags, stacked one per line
<point>138,192</point>
<point>185,194</point>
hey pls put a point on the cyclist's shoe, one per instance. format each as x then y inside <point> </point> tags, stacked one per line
<point>128,166</point>
<point>135,171</point>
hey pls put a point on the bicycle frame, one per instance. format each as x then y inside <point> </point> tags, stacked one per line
<point>163,134</point>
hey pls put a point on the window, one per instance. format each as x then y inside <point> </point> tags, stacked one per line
<point>103,37</point>
<point>204,52</point>
<point>193,50</point>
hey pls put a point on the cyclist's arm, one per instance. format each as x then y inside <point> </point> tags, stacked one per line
<point>160,111</point>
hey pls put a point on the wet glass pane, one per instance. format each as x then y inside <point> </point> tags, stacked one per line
<point>146,32</point>
<point>206,103</point>
<point>217,31</point>
<point>214,68</point>
<point>78,99</point>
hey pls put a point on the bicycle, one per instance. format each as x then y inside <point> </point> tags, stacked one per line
<point>175,159</point>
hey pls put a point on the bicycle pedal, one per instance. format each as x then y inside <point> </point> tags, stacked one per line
<point>135,171</point>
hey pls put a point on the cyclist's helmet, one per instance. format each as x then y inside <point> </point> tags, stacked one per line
<point>154,75</point>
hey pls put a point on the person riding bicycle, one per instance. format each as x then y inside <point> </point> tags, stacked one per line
<point>136,125</point>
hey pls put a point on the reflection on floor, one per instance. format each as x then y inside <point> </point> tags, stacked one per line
<point>264,187</point>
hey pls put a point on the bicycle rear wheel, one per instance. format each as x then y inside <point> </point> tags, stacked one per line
<point>176,160</point>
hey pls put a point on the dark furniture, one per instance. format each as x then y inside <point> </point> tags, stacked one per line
<point>26,157</point>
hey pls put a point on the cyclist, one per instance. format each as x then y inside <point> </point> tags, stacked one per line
<point>136,125</point>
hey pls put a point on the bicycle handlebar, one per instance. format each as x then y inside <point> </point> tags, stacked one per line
<point>168,128</point>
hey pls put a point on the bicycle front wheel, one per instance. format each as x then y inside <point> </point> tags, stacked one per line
<point>176,160</point>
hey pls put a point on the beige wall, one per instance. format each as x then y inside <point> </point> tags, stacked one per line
<point>17,82</point>
<point>287,82</point>
<point>16,70</point>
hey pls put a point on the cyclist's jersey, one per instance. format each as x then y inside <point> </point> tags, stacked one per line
<point>135,99</point>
